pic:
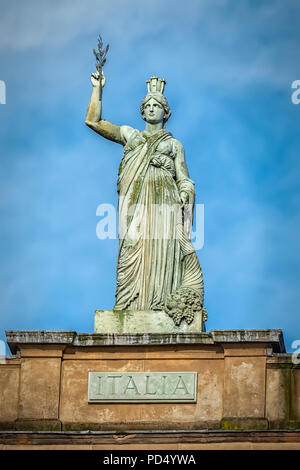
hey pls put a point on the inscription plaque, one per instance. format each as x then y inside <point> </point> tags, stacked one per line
<point>144,387</point>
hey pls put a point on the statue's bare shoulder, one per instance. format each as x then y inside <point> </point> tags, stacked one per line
<point>177,148</point>
<point>177,144</point>
<point>126,132</point>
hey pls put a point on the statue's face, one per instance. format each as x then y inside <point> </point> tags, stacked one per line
<point>153,112</point>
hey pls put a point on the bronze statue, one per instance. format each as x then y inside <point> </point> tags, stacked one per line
<point>157,266</point>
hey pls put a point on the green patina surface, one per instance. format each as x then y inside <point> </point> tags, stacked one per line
<point>134,192</point>
<point>243,423</point>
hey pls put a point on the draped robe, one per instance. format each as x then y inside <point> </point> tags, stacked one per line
<point>156,257</point>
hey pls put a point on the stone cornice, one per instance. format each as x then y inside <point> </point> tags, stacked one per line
<point>272,337</point>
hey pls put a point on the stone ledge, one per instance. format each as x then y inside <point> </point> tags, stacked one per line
<point>16,338</point>
<point>281,361</point>
<point>201,436</point>
<point>272,336</point>
<point>231,424</point>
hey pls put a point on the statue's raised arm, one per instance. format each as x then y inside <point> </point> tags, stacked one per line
<point>93,116</point>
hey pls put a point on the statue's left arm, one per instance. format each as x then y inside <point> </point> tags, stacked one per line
<point>184,183</point>
<point>185,186</point>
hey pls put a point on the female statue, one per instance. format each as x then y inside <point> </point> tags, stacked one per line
<point>157,266</point>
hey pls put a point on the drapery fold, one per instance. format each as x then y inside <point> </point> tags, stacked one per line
<point>155,254</point>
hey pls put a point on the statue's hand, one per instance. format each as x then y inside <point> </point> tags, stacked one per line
<point>184,197</point>
<point>187,200</point>
<point>96,81</point>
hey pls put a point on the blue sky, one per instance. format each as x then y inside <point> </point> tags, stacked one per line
<point>229,67</point>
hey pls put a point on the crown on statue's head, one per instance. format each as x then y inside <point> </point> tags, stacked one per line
<point>156,85</point>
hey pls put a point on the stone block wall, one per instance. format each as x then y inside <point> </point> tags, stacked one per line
<point>245,381</point>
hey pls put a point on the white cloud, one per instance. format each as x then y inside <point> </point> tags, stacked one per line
<point>223,41</point>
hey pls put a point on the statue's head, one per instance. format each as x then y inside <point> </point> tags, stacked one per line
<point>155,101</point>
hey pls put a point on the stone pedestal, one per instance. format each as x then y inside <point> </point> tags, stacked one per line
<point>244,380</point>
<point>152,321</point>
